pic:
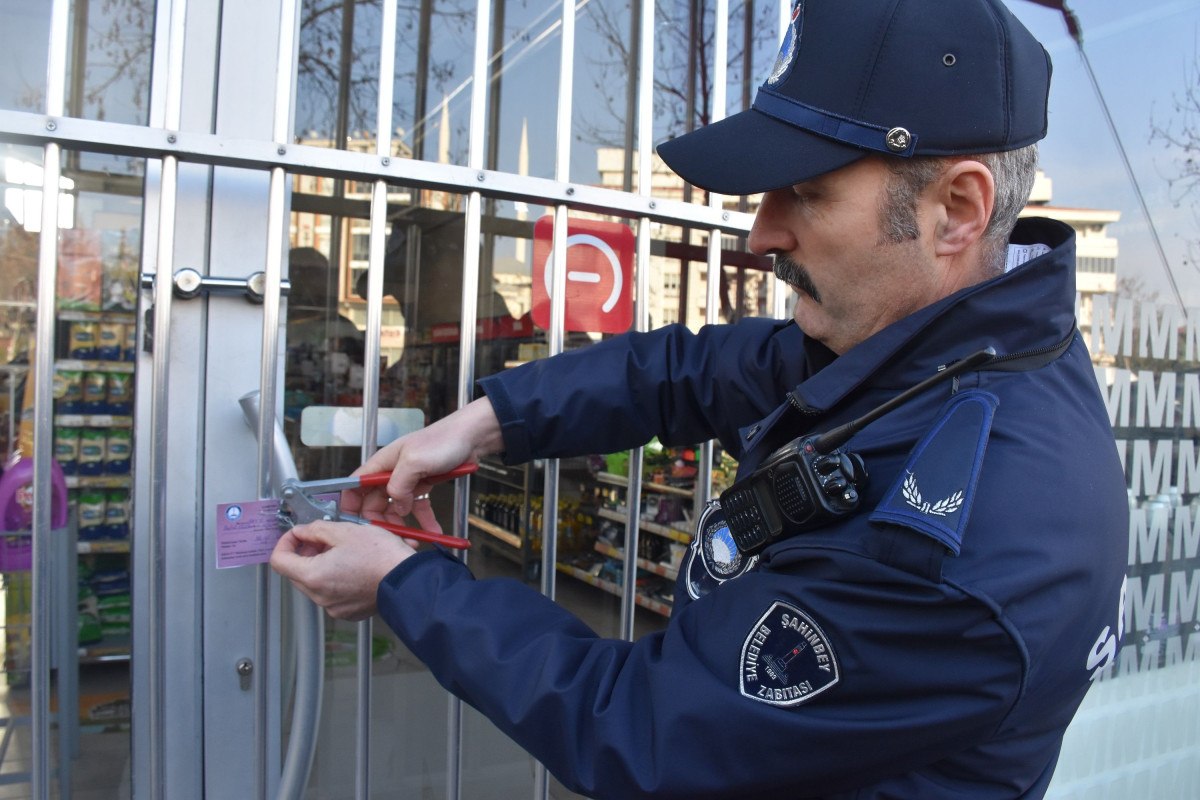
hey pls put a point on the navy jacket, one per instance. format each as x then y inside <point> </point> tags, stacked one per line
<point>935,644</point>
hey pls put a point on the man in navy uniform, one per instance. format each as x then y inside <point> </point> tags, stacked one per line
<point>935,639</point>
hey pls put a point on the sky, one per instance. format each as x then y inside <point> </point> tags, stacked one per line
<point>1142,53</point>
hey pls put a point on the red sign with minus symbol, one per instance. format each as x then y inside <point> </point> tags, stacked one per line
<point>599,275</point>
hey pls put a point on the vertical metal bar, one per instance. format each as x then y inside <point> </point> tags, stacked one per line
<point>779,290</point>
<point>645,134</point>
<point>645,118</point>
<point>566,88</point>
<point>370,408</point>
<point>345,66</point>
<point>558,281</point>
<point>492,146</point>
<point>713,305</point>
<point>268,387</point>
<point>371,366</point>
<point>472,225</point>
<point>720,70</point>
<point>43,420</point>
<point>159,413</point>
<point>479,80</point>
<point>377,239</point>
<point>555,337</point>
<point>160,408</point>
<point>341,135</point>
<point>277,232</point>
<point>743,204</point>
<point>632,82</point>
<point>472,240</point>
<point>495,84</point>
<point>695,38</point>
<point>421,87</point>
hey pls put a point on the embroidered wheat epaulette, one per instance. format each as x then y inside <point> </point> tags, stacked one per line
<point>934,491</point>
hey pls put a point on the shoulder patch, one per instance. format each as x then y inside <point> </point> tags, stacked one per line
<point>934,491</point>
<point>786,659</point>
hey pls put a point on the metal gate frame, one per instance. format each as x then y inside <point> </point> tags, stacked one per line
<point>183,656</point>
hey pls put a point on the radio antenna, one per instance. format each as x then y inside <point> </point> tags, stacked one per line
<point>831,440</point>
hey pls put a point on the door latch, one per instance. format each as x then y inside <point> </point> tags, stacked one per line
<point>188,283</point>
<point>245,670</point>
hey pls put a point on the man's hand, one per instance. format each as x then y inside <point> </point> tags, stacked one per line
<point>339,565</point>
<point>465,436</point>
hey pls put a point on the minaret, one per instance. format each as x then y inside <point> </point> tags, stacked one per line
<point>522,208</point>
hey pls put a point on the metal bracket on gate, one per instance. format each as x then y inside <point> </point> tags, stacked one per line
<point>189,283</point>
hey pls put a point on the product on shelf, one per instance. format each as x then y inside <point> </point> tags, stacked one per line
<point>116,514</point>
<point>68,391</point>
<point>120,393</point>
<point>66,449</point>
<point>16,495</point>
<point>129,346</point>
<point>93,445</point>
<point>115,614</point>
<point>617,463</point>
<point>93,507</point>
<point>119,283</point>
<point>95,393</point>
<point>83,340</point>
<point>79,269</point>
<point>111,337</point>
<point>118,451</point>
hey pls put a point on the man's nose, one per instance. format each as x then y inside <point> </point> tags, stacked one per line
<point>769,233</point>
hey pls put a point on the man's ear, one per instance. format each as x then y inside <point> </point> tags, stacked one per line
<point>965,195</point>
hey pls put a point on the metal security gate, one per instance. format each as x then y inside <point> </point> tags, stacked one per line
<point>211,674</point>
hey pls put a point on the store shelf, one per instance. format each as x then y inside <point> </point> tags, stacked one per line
<point>656,606</point>
<point>620,480</point>
<point>93,421</point>
<point>495,531</point>
<point>667,532</point>
<point>78,365</point>
<point>111,649</point>
<point>662,570</point>
<point>103,546</point>
<point>512,476</point>
<point>98,481</point>
<point>72,315</point>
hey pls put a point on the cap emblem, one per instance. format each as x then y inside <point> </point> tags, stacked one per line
<point>791,43</point>
<point>898,140</point>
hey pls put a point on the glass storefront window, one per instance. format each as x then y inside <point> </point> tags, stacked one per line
<point>108,61</point>
<point>98,237</point>
<point>1117,186</point>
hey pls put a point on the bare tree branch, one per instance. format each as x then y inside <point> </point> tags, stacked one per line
<point>1179,136</point>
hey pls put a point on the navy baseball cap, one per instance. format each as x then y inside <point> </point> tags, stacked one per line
<point>895,77</point>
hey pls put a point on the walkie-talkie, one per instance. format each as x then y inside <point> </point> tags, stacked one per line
<point>810,481</point>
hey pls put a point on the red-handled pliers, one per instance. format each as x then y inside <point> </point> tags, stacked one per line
<point>308,501</point>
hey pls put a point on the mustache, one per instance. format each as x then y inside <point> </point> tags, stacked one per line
<point>795,275</point>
